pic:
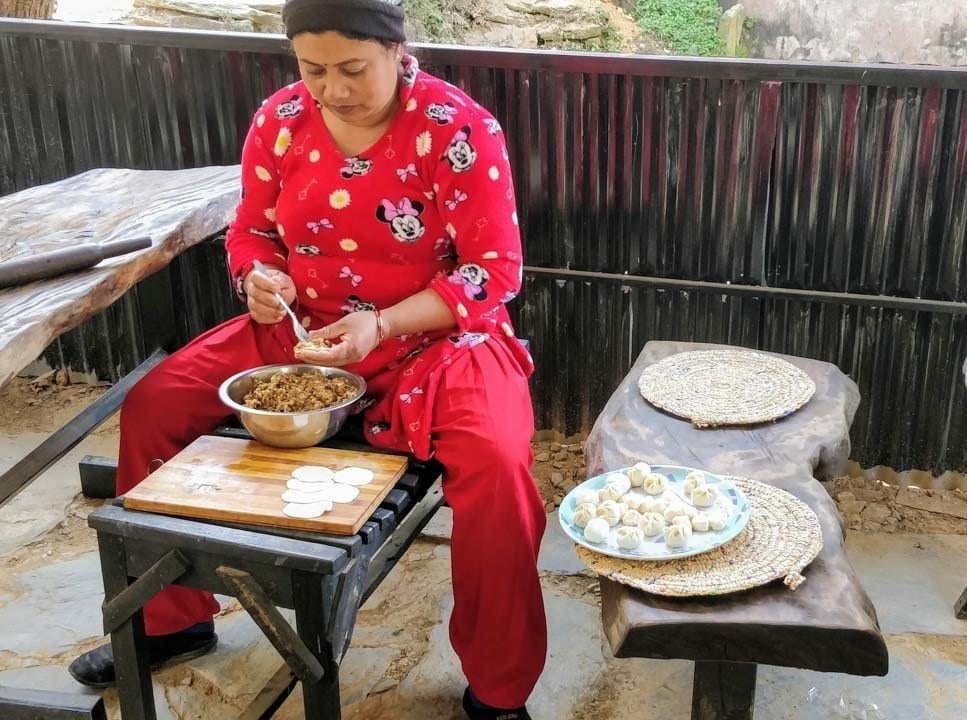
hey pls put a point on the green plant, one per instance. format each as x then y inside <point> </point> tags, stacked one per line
<point>429,13</point>
<point>689,27</point>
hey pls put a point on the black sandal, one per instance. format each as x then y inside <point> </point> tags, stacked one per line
<point>475,712</point>
<point>95,668</point>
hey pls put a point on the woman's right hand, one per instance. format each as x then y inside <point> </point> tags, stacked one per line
<point>259,289</point>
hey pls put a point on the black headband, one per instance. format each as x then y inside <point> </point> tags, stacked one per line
<point>376,19</point>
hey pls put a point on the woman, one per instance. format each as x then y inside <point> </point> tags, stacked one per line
<point>380,200</point>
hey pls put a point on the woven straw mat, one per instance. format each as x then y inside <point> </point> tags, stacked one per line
<point>781,538</point>
<point>726,387</point>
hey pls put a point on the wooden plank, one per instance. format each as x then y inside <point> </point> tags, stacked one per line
<point>98,476</point>
<point>313,617</point>
<point>271,696</point>
<point>213,540</point>
<point>283,638</point>
<point>217,478</point>
<point>723,691</point>
<point>132,660</point>
<point>17,704</point>
<point>168,569</point>
<point>177,209</point>
<point>960,607</point>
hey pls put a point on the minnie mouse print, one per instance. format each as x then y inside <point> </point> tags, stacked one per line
<point>403,219</point>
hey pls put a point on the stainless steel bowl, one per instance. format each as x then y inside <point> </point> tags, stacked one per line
<point>289,429</point>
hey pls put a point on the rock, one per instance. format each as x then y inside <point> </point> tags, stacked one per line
<point>846,497</point>
<point>543,457</point>
<point>66,595</point>
<point>557,479</point>
<point>871,526</point>
<point>558,9</point>
<point>730,29</point>
<point>581,30</point>
<point>876,514</point>
<point>211,15</point>
<point>558,499</point>
<point>852,507</point>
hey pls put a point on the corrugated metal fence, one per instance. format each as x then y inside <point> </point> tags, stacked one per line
<point>653,193</point>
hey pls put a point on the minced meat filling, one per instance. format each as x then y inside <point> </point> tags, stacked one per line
<point>289,392</point>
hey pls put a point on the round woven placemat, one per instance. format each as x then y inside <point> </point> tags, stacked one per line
<point>781,538</point>
<point>726,387</point>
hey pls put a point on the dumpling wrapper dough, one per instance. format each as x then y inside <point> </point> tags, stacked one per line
<point>337,492</point>
<point>303,486</point>
<point>313,474</point>
<point>306,511</point>
<point>354,476</point>
<point>305,498</point>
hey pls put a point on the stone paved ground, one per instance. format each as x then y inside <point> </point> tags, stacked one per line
<point>400,665</point>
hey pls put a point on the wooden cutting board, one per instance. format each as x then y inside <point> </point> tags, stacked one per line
<point>242,481</point>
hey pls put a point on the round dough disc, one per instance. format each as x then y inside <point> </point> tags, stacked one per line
<point>338,493</point>
<point>354,476</point>
<point>313,474</point>
<point>306,511</point>
<point>303,486</point>
<point>305,498</point>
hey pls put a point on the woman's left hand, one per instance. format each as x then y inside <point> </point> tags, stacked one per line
<point>354,337</point>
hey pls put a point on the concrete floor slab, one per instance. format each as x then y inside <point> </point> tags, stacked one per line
<point>913,580</point>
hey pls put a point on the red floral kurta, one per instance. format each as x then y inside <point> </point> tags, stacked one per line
<point>429,205</point>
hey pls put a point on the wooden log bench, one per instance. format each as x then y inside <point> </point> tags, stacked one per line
<point>827,625</point>
<point>176,210</point>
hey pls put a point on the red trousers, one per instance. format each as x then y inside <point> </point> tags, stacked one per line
<point>482,425</point>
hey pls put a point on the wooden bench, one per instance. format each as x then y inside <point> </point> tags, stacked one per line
<point>324,578</point>
<point>827,625</point>
<point>960,607</point>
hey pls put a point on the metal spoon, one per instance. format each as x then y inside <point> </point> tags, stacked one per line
<point>300,332</point>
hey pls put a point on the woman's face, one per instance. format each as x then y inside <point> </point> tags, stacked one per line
<point>355,80</point>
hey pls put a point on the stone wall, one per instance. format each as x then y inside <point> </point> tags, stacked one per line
<point>893,31</point>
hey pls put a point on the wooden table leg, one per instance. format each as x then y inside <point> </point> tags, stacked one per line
<point>132,662</point>
<point>960,607</point>
<point>312,615</point>
<point>723,691</point>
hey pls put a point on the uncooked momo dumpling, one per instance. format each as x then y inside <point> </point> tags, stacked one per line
<point>585,495</point>
<point>637,474</point>
<point>629,537</point>
<point>693,480</point>
<point>615,486</point>
<point>596,531</point>
<point>700,523</point>
<point>651,524</point>
<point>704,496</point>
<point>682,520</point>
<point>716,520</point>
<point>630,518</point>
<point>677,536</point>
<point>654,484</point>
<point>633,500</point>
<point>678,510</point>
<point>610,512</point>
<point>584,514</point>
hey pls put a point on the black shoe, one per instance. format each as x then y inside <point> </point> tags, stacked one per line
<point>96,667</point>
<point>475,712</point>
